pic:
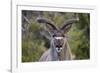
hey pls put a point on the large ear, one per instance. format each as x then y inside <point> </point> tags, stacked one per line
<point>67,25</point>
<point>49,24</point>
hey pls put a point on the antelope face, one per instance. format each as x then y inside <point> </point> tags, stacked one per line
<point>58,40</point>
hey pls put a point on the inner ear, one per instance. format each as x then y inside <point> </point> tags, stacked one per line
<point>49,28</point>
<point>47,24</point>
<point>67,25</point>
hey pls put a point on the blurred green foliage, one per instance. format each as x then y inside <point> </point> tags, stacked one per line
<point>34,44</point>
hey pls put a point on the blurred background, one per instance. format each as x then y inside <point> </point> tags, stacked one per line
<point>35,39</point>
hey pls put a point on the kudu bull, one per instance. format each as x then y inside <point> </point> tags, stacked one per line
<point>59,47</point>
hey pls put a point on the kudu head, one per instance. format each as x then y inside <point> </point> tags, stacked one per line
<point>58,37</point>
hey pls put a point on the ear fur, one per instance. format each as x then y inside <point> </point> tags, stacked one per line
<point>49,24</point>
<point>67,25</point>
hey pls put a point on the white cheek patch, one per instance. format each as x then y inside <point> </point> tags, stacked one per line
<point>58,37</point>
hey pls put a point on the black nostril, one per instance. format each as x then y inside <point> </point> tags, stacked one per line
<point>59,46</point>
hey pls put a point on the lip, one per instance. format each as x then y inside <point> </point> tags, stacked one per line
<point>58,49</point>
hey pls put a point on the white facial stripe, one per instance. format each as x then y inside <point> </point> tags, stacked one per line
<point>58,37</point>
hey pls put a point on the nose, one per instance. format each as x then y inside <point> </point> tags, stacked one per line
<point>58,46</point>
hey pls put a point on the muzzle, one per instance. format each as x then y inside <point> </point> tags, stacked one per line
<point>58,49</point>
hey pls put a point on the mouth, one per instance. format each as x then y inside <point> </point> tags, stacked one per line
<point>58,49</point>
